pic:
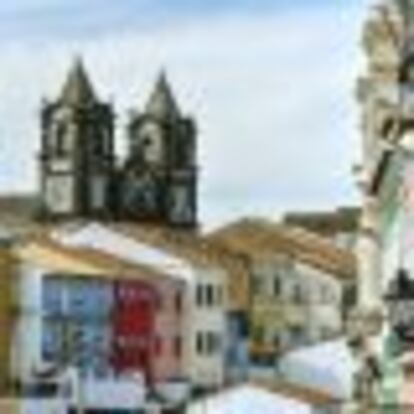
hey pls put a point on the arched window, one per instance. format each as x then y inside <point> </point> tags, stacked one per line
<point>60,137</point>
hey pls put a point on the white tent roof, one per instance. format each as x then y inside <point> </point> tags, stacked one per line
<point>99,237</point>
<point>329,367</point>
<point>248,399</point>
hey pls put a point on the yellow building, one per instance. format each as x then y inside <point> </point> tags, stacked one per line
<point>8,267</point>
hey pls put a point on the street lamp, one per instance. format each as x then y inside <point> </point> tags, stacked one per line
<point>400,303</point>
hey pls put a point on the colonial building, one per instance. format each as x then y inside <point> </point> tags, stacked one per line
<point>204,305</point>
<point>297,284</point>
<point>98,312</point>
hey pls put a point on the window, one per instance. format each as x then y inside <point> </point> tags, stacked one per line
<point>178,302</point>
<point>276,287</point>
<point>207,343</point>
<point>210,343</point>
<point>60,139</point>
<point>350,296</point>
<point>209,295</point>
<point>199,295</point>
<point>177,347</point>
<point>199,343</point>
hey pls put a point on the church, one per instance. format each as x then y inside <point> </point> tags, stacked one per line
<point>81,176</point>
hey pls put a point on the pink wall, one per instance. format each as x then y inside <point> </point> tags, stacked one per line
<point>167,359</point>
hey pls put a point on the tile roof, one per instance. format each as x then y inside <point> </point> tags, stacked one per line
<point>264,238</point>
<point>326,222</point>
<point>199,250</point>
<point>17,211</point>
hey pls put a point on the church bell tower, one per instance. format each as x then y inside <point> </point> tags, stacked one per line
<point>77,151</point>
<point>160,173</point>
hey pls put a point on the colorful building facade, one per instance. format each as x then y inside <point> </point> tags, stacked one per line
<point>94,311</point>
<point>204,304</point>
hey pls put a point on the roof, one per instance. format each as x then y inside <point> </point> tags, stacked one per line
<point>18,204</point>
<point>201,251</point>
<point>82,261</point>
<point>305,393</point>
<point>329,223</point>
<point>263,238</point>
<point>172,249</point>
<point>17,212</point>
<point>105,239</point>
<point>162,104</point>
<point>77,89</point>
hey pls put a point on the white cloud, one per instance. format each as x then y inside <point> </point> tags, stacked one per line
<point>272,95</point>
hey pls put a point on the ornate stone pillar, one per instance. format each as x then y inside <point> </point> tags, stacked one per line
<point>369,257</point>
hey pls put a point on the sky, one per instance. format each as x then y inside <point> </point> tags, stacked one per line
<point>270,82</point>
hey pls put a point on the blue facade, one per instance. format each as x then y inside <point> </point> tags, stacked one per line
<point>91,343</point>
<point>77,322</point>
<point>53,296</point>
<point>52,341</point>
<point>89,299</point>
<point>237,355</point>
<point>77,297</point>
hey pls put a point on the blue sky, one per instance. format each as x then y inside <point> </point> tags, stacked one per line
<point>93,17</point>
<point>270,82</point>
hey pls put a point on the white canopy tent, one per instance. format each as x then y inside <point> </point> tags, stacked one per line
<point>329,367</point>
<point>248,399</point>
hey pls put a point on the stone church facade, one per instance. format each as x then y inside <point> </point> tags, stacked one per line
<point>81,176</point>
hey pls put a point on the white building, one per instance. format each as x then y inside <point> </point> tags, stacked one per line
<point>298,283</point>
